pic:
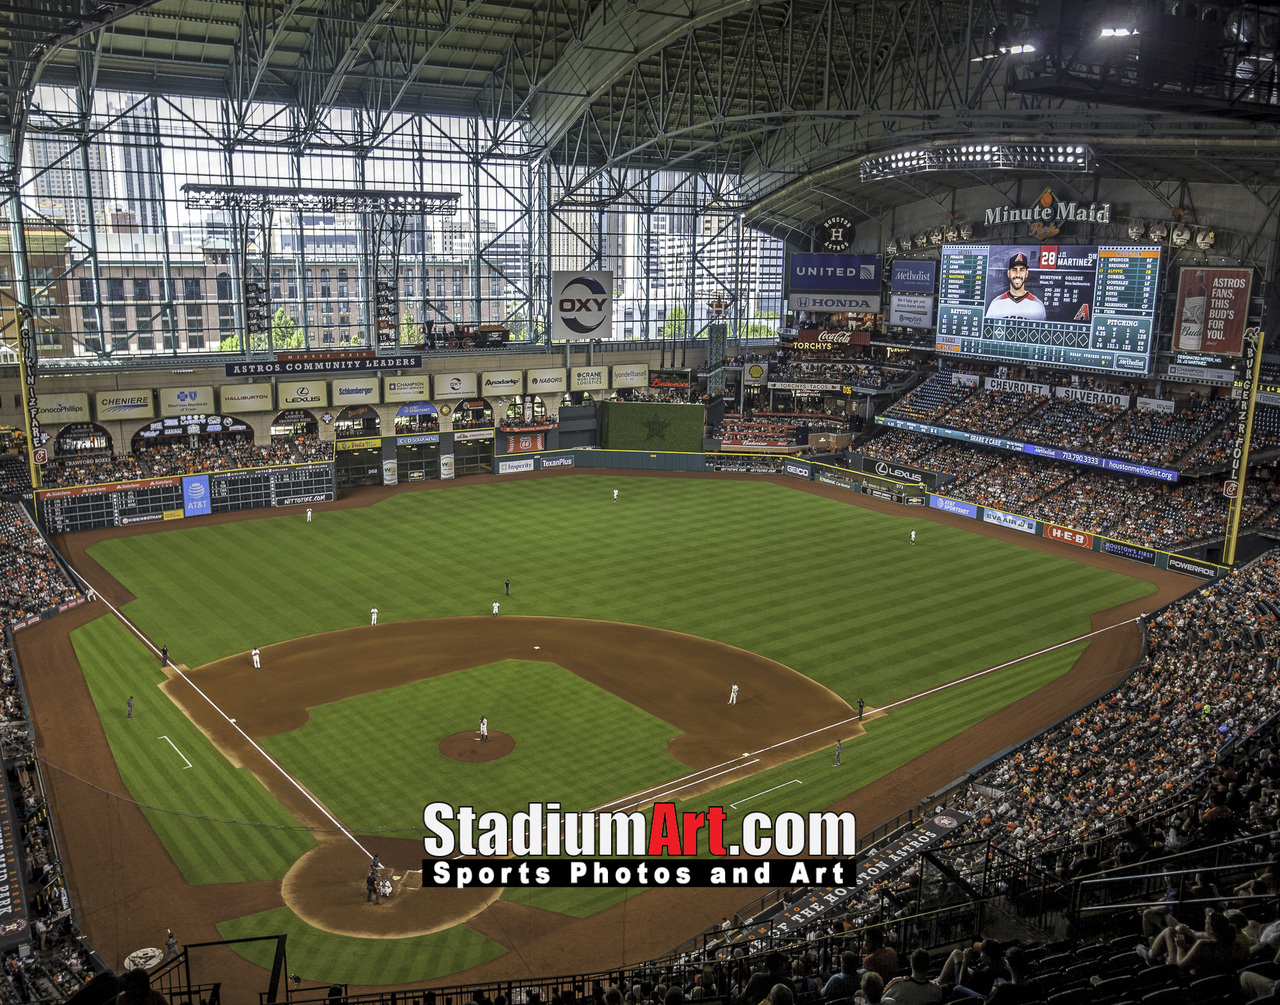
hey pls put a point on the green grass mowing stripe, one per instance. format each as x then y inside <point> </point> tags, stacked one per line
<point>324,958</point>
<point>577,744</point>
<point>116,665</point>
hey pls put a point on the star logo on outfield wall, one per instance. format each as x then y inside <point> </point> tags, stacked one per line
<point>657,429</point>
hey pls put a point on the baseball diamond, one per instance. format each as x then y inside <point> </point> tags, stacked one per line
<point>666,683</point>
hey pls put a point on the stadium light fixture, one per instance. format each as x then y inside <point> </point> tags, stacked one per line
<point>1059,157</point>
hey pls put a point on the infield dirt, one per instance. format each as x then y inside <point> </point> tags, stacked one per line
<point>127,889</point>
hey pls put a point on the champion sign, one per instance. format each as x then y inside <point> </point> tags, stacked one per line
<point>583,305</point>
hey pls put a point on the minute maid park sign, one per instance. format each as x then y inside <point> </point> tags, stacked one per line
<point>1046,217</point>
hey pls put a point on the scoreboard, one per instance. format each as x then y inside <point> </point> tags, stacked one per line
<point>117,504</point>
<point>1089,307</point>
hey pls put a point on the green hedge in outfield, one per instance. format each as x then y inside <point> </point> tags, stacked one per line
<point>575,743</point>
<point>832,590</point>
<point>652,426</point>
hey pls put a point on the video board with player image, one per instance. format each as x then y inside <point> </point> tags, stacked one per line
<point>1086,306</point>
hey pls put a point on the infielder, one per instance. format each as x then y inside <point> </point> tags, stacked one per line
<point>839,743</point>
<point>308,514</point>
<point>373,615</point>
<point>496,605</point>
<point>733,694</point>
<point>484,729</point>
<point>257,658</point>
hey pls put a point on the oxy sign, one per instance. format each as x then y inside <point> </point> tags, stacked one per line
<point>583,305</point>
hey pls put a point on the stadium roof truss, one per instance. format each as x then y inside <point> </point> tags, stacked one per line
<point>774,105</point>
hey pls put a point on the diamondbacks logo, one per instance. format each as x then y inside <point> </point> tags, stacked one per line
<point>835,233</point>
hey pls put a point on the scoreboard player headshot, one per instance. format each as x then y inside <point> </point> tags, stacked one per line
<point>1017,300</point>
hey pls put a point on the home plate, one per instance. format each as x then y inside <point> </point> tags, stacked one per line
<point>537,647</point>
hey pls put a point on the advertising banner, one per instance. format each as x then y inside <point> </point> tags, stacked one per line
<point>852,303</point>
<point>1129,551</point>
<point>1093,397</point>
<point>754,373</point>
<point>954,506</point>
<point>588,378</point>
<point>464,435</point>
<point>1207,374</point>
<point>511,467</point>
<point>1013,522</point>
<point>416,439</point>
<point>328,364</point>
<point>899,472</point>
<point>354,390</point>
<point>1193,567</point>
<point>629,375</point>
<point>196,500</point>
<point>367,443</point>
<point>186,401</point>
<point>1016,386</point>
<point>446,467</point>
<point>405,388</point>
<point>454,385</point>
<point>913,277</point>
<point>547,381</point>
<point>1156,405</point>
<point>1212,310</point>
<point>908,311</point>
<point>109,405</point>
<point>245,398</point>
<point>582,305</point>
<point>796,469</point>
<point>14,910</point>
<point>524,443</point>
<point>390,472</point>
<point>59,408</point>
<point>302,394</point>
<point>497,383</point>
<point>562,461</point>
<point>833,274</point>
<point>829,338</point>
<point>1068,535</point>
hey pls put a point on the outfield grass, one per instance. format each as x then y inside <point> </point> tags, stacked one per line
<point>834,591</point>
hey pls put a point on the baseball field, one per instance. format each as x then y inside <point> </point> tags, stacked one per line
<point>605,673</point>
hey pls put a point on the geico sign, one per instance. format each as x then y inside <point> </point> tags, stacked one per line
<point>581,304</point>
<point>1068,536</point>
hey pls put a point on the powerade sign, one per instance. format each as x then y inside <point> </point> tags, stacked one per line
<point>1035,449</point>
<point>583,305</point>
<point>954,506</point>
<point>1130,551</point>
<point>913,277</point>
<point>1179,564</point>
<point>833,274</point>
<point>195,495</point>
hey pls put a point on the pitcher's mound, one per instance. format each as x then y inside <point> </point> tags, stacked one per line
<point>468,746</point>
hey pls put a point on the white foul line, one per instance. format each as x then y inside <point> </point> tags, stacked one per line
<point>176,750</point>
<point>232,723</point>
<point>747,799</point>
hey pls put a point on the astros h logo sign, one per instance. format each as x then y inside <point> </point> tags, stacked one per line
<point>581,304</point>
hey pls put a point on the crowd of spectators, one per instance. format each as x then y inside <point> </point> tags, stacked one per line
<point>1066,422</point>
<point>861,374</point>
<point>31,581</point>
<point>992,411</point>
<point>158,460</point>
<point>1209,675</point>
<point>939,394</point>
<point>15,475</point>
<point>1139,510</point>
<point>1155,437</point>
